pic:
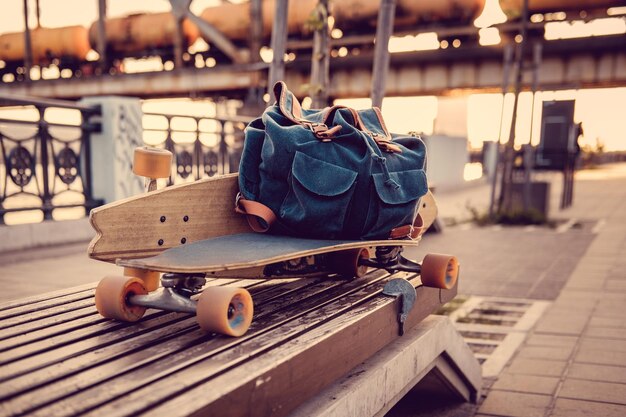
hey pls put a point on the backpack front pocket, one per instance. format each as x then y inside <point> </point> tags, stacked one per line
<point>318,198</point>
<point>393,206</point>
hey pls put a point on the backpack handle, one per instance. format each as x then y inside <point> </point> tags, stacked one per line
<point>369,121</point>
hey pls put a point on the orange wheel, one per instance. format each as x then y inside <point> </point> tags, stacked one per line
<point>151,279</point>
<point>346,262</point>
<point>225,310</point>
<point>152,162</point>
<point>440,271</point>
<point>112,296</point>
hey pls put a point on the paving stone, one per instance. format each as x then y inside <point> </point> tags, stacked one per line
<point>562,323</point>
<point>539,339</point>
<point>586,284</point>
<point>594,372</point>
<point>590,273</point>
<point>531,384</point>
<point>572,298</point>
<point>539,367</point>
<point>581,304</point>
<point>607,322</point>
<point>546,352</point>
<point>504,403</point>
<point>601,344</point>
<point>574,408</point>
<point>610,306</point>
<point>615,285</point>
<point>611,312</point>
<point>593,391</point>
<point>601,357</point>
<point>606,333</point>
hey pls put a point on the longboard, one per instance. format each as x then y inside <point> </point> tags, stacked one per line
<point>191,231</point>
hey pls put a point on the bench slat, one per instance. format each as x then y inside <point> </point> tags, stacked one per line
<point>37,317</point>
<point>45,304</point>
<point>45,297</point>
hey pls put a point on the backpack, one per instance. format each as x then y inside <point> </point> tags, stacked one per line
<point>334,173</point>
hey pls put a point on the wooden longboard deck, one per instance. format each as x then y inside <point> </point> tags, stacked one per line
<point>246,250</point>
<point>150,223</point>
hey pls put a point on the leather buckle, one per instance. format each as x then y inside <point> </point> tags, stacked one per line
<point>323,132</point>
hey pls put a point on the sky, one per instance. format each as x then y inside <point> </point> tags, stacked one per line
<point>58,13</point>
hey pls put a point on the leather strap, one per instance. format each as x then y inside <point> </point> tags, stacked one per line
<point>290,108</point>
<point>412,231</point>
<point>296,108</point>
<point>259,216</point>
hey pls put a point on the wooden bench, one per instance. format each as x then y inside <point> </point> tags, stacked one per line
<point>59,357</point>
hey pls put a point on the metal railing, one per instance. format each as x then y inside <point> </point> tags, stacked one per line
<point>202,146</point>
<point>45,165</point>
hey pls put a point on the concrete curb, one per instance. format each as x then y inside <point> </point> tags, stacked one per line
<point>47,233</point>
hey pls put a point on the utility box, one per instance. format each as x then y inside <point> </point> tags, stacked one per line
<point>539,196</point>
<point>558,139</point>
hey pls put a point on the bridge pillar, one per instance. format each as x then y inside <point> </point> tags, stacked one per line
<point>112,149</point>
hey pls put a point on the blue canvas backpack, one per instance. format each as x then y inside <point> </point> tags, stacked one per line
<point>334,173</point>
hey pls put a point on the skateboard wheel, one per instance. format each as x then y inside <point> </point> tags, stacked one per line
<point>152,162</point>
<point>151,279</point>
<point>112,295</point>
<point>440,271</point>
<point>225,310</point>
<point>347,262</point>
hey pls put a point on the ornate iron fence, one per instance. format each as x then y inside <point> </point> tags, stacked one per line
<point>202,146</point>
<point>45,164</point>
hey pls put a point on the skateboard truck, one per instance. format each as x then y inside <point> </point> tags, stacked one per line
<point>390,258</point>
<point>176,293</point>
<point>402,288</point>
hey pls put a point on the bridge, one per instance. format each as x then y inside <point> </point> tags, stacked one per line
<point>574,63</point>
<point>455,60</point>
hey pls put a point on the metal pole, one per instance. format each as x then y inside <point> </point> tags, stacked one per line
<point>537,52</point>
<point>507,177</point>
<point>508,57</point>
<point>38,13</point>
<point>28,47</point>
<point>102,37</point>
<point>178,43</point>
<point>384,29</point>
<point>320,62</point>
<point>278,43</point>
<point>86,130</point>
<point>44,137</point>
<point>528,152</point>
<point>256,30</point>
<point>254,100</point>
